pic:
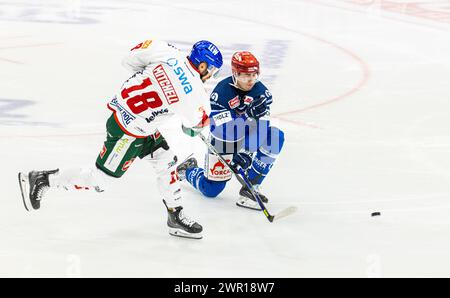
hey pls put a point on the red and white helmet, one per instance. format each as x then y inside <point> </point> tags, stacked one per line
<point>244,62</point>
<point>245,70</point>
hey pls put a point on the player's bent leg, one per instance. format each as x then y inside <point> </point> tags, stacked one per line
<point>211,189</point>
<point>118,152</point>
<point>189,170</point>
<point>158,153</point>
<point>262,163</point>
<point>266,155</point>
<point>212,181</point>
<point>164,162</point>
<point>35,184</point>
<point>82,179</point>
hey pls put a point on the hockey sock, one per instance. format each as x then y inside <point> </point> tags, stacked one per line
<point>266,156</point>
<point>193,176</point>
<point>261,166</point>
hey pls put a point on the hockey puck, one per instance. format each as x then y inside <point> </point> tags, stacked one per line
<point>376,213</point>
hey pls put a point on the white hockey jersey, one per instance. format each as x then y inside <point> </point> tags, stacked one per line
<point>164,83</point>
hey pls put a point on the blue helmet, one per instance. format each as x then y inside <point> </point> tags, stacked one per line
<point>205,51</point>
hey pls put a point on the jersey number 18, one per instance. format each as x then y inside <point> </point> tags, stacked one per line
<point>143,101</point>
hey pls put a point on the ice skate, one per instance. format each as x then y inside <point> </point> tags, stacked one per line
<point>33,187</point>
<point>182,226</point>
<point>246,199</point>
<point>189,163</point>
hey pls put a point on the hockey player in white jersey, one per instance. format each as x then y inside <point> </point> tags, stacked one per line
<point>164,82</point>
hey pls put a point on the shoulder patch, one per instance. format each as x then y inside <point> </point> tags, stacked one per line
<point>146,44</point>
<point>214,96</point>
<point>142,45</point>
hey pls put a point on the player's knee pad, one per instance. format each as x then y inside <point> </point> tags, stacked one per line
<point>197,178</point>
<point>211,189</point>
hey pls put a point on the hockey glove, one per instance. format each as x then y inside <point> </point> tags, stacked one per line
<point>194,131</point>
<point>258,108</point>
<point>242,159</point>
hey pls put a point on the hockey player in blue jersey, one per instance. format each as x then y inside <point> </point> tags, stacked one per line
<point>241,132</point>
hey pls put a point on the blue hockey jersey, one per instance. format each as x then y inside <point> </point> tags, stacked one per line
<point>229,121</point>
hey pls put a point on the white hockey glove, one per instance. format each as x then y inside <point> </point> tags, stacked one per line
<point>191,131</point>
<point>194,131</point>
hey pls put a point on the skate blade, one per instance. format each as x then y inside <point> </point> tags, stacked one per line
<point>25,191</point>
<point>181,233</point>
<point>248,203</point>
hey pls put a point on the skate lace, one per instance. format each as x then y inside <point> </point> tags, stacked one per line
<point>185,220</point>
<point>41,192</point>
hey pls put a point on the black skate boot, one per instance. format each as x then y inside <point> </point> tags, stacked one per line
<point>189,163</point>
<point>33,187</point>
<point>182,226</point>
<point>246,199</point>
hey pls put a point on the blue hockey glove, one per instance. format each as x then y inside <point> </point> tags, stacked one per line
<point>242,159</point>
<point>258,108</point>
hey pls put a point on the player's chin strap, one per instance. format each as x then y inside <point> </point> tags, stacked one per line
<point>243,180</point>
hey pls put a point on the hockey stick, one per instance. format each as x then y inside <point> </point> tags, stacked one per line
<point>243,180</point>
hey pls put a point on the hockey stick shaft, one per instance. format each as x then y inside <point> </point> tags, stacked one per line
<point>240,176</point>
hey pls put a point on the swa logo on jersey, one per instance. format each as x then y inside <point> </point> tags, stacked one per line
<point>178,70</point>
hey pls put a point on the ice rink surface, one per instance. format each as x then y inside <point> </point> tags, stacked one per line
<point>361,89</point>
